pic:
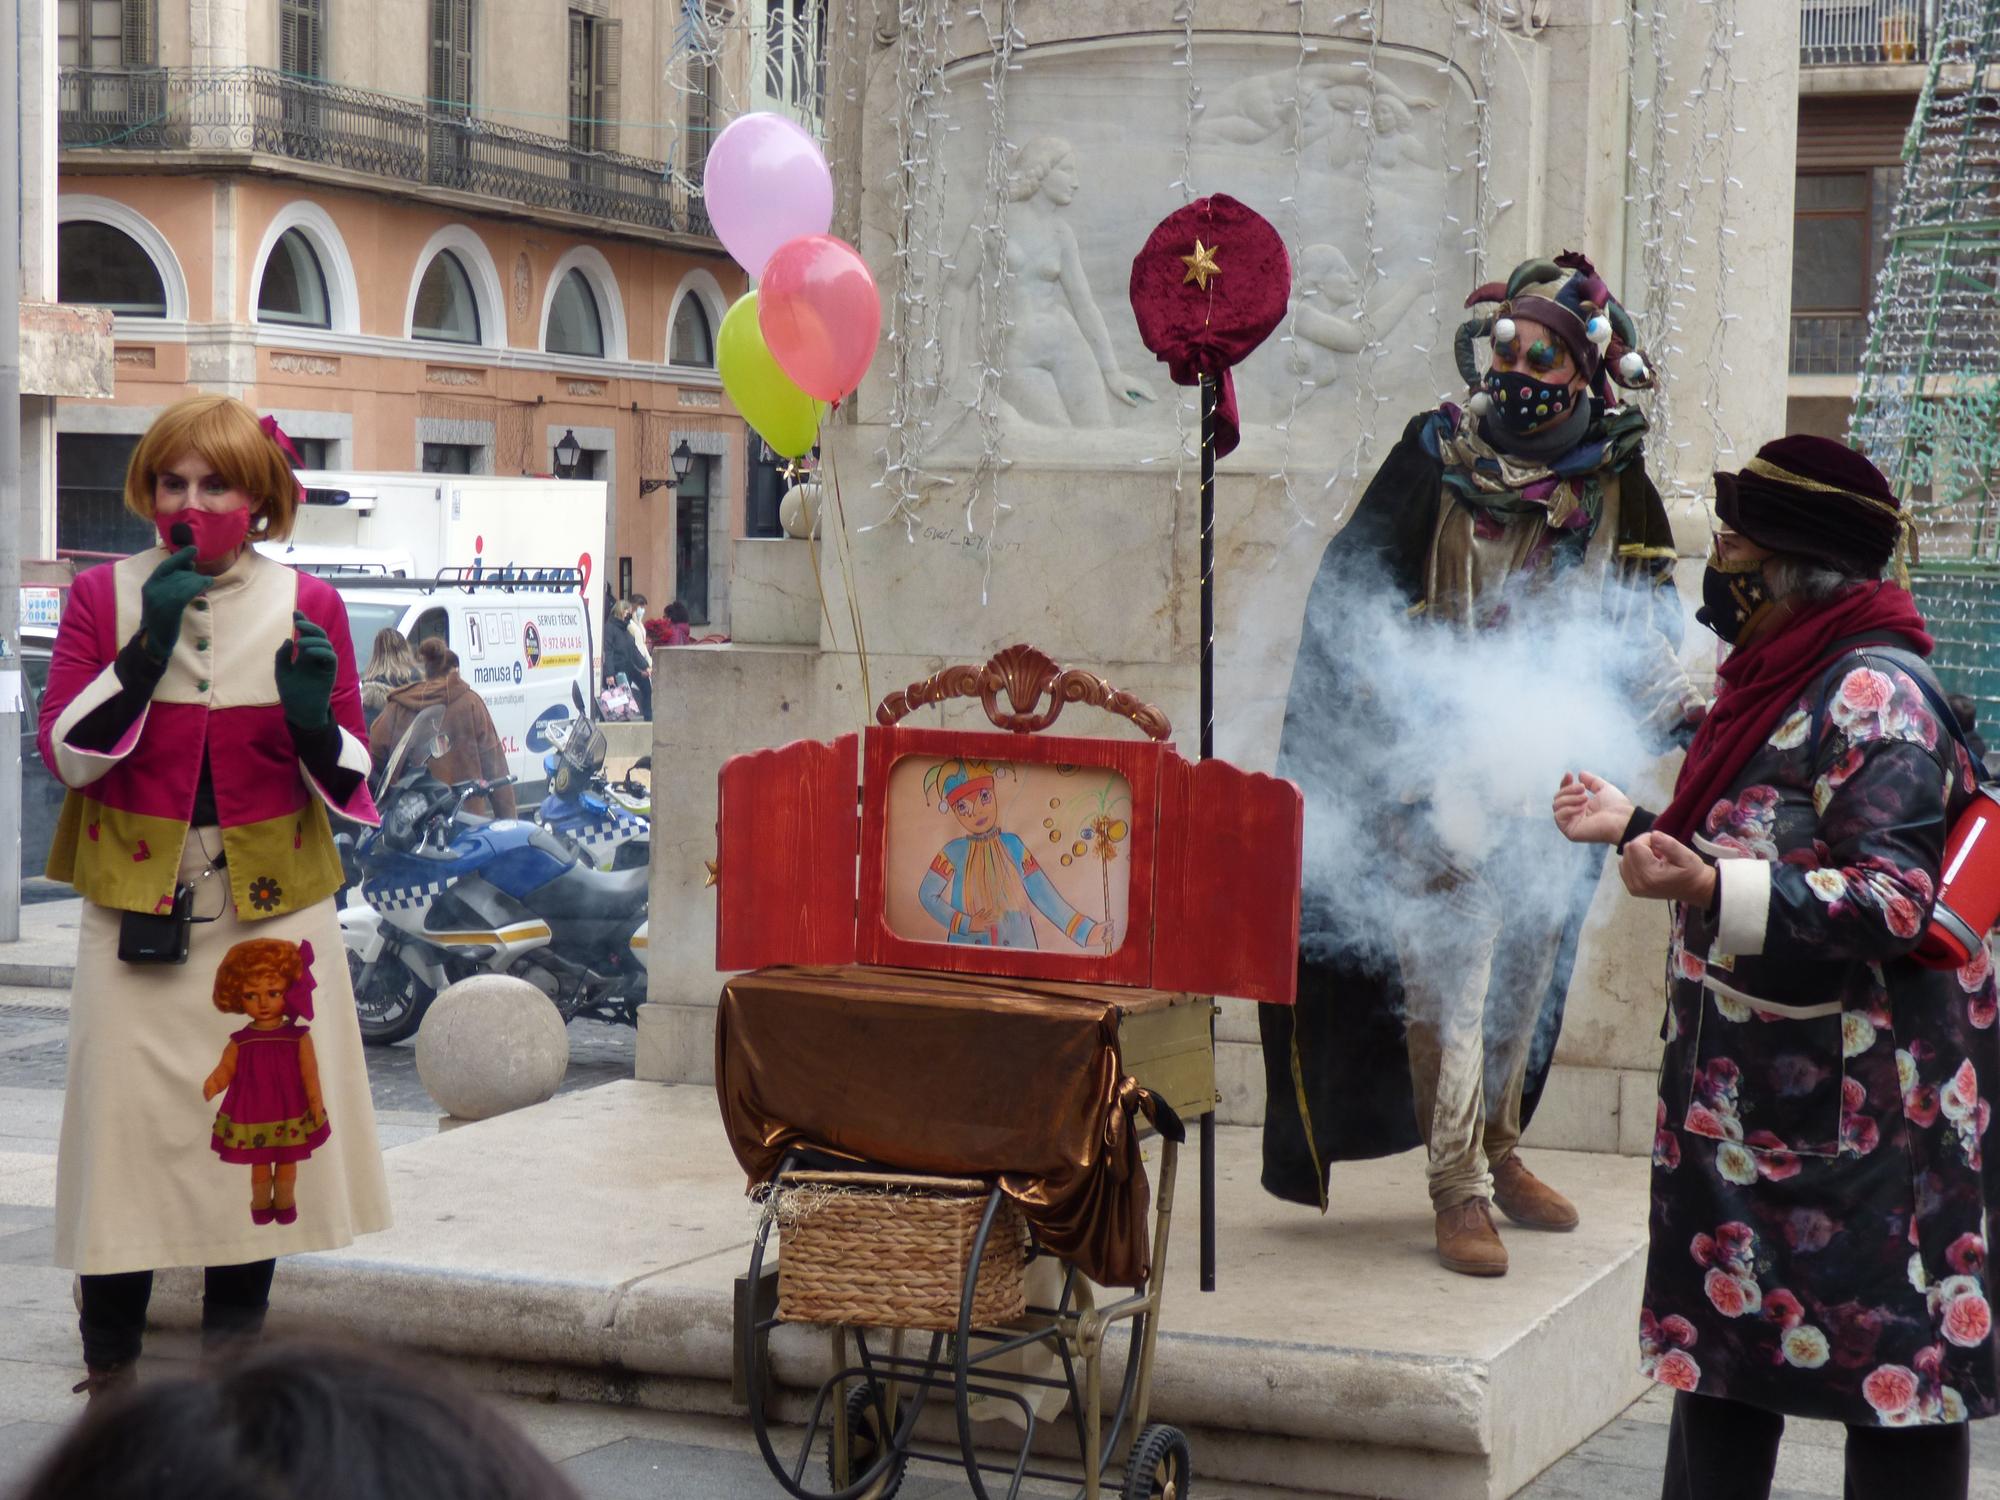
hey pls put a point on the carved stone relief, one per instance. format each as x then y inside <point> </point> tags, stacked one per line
<point>1099,132</point>
<point>304,364</point>
<point>1528,17</point>
<point>524,278</point>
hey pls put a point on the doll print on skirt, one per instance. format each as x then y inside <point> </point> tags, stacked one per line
<point>272,1115</point>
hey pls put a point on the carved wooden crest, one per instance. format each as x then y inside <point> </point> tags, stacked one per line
<point>1026,676</point>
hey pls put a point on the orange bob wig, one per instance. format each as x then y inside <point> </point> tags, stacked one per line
<point>225,433</point>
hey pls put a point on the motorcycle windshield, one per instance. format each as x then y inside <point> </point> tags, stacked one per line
<point>416,747</point>
<point>584,747</point>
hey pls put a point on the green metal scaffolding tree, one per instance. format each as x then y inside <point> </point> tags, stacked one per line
<point>1928,410</point>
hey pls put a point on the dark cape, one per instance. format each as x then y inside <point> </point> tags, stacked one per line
<point>1338,1057</point>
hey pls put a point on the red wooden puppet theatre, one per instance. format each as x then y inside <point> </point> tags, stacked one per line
<point>986,958</point>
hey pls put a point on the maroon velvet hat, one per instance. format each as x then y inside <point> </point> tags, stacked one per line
<point>1208,288</point>
<point>1812,497</point>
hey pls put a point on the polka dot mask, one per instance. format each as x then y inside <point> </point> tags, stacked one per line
<point>1523,403</point>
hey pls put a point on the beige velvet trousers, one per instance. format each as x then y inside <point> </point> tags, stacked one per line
<point>1478,947</point>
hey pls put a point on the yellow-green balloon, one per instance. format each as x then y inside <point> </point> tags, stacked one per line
<point>782,415</point>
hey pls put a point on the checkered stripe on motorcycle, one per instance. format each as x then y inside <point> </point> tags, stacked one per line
<point>402,898</point>
<point>610,830</point>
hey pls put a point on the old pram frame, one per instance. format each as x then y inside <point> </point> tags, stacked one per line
<point>865,1399</point>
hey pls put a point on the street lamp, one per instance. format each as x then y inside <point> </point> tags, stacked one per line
<point>683,459</point>
<point>569,453</point>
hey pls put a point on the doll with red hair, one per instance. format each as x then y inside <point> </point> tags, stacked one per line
<point>272,1115</point>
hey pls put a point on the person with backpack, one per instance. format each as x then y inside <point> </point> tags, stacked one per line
<point>1819,1199</point>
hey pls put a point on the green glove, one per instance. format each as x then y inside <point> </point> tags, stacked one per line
<point>305,669</point>
<point>164,598</point>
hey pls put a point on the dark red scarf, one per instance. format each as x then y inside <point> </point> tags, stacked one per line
<point>1762,683</point>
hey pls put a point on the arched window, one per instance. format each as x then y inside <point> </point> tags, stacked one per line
<point>294,288</point>
<point>693,341</point>
<point>574,324</point>
<point>106,267</point>
<point>446,308</point>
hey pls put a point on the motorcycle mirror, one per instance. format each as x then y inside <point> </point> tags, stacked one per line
<point>576,697</point>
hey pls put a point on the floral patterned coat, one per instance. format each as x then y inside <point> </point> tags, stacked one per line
<point>1820,1183</point>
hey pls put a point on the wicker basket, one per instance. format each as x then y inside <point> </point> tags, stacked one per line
<point>871,1250</point>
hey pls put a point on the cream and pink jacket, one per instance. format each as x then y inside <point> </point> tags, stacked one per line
<point>126,817</point>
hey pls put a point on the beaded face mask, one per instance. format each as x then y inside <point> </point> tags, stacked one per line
<point>1523,402</point>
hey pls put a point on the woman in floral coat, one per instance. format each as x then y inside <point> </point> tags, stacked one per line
<point>1820,1181</point>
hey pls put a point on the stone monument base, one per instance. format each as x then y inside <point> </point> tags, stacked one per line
<point>1337,1357</point>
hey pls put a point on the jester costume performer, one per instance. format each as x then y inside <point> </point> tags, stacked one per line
<point>980,887</point>
<point>1438,1031</point>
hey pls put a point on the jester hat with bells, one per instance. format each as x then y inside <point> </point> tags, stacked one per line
<point>1569,298</point>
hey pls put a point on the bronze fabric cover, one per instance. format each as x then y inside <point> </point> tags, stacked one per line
<point>955,1076</point>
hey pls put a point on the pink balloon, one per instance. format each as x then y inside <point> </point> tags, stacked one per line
<point>765,182</point>
<point>820,314</point>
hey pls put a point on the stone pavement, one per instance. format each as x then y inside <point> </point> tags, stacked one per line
<point>494,1297</point>
<point>45,953</point>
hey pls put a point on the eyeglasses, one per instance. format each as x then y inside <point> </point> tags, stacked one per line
<point>1731,546</point>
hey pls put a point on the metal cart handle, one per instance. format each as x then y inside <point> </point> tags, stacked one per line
<point>1026,676</point>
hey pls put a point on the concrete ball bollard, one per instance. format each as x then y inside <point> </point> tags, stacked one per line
<point>798,511</point>
<point>489,1044</point>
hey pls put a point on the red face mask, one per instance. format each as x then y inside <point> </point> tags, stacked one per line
<point>213,534</point>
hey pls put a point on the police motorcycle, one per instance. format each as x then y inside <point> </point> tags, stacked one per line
<point>451,894</point>
<point>609,822</point>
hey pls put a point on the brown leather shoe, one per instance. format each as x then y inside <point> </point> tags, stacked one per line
<point>106,1380</point>
<point>1467,1241</point>
<point>1529,1201</point>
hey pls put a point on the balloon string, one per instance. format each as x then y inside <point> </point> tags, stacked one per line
<point>825,610</point>
<point>818,527</point>
<point>843,554</point>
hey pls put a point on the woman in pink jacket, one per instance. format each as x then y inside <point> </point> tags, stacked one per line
<point>203,710</point>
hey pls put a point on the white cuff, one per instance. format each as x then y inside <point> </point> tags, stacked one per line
<point>79,766</point>
<point>1744,904</point>
<point>360,806</point>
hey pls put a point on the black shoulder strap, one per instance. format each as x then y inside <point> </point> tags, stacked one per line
<point>1914,666</point>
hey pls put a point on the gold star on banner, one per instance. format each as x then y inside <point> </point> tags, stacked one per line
<point>714,871</point>
<point>1200,265</point>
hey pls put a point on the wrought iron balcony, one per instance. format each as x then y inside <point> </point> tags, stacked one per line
<point>263,111</point>
<point>1850,33</point>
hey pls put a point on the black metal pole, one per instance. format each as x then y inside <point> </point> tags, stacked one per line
<point>1208,399</point>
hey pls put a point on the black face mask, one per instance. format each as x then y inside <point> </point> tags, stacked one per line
<point>1522,403</point>
<point>1733,595</point>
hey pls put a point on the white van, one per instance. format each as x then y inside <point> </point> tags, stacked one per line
<point>444,522</point>
<point>524,647</point>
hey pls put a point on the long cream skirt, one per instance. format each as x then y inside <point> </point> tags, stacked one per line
<point>138,1185</point>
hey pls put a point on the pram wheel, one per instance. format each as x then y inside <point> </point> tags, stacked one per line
<point>871,1425</point>
<point>1160,1467</point>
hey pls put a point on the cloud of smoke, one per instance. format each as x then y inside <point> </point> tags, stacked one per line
<point>1429,751</point>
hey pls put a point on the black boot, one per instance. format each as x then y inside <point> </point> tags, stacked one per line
<point>234,1301</point>
<point>112,1322</point>
<point>226,1329</point>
